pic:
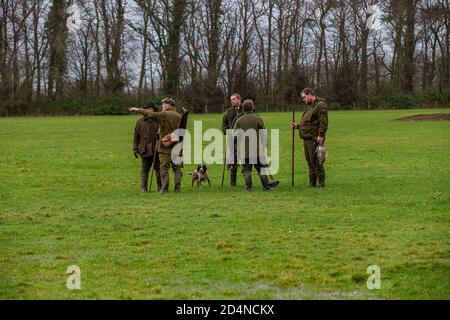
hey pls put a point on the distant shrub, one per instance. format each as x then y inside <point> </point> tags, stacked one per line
<point>402,99</point>
<point>335,106</point>
<point>434,95</point>
<point>114,105</point>
<point>388,96</point>
<point>110,110</point>
<point>67,105</point>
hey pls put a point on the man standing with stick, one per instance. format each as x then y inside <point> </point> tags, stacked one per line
<point>229,117</point>
<point>313,127</point>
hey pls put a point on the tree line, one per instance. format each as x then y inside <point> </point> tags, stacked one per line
<point>71,57</point>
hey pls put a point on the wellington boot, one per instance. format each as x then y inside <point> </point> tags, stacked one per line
<point>164,181</point>
<point>267,183</point>
<point>248,180</point>
<point>312,181</point>
<point>321,181</point>
<point>232,179</point>
<point>144,181</point>
<point>177,174</point>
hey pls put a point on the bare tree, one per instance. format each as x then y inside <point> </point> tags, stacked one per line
<point>56,34</point>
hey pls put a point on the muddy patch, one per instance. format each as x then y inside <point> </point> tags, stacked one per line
<point>427,117</point>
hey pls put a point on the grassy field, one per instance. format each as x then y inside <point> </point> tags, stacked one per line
<point>69,195</point>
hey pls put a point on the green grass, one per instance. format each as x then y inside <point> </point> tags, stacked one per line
<point>69,195</point>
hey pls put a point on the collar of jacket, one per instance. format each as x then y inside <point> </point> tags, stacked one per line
<point>318,100</point>
<point>312,105</point>
<point>170,109</point>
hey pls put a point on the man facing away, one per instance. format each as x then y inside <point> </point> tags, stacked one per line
<point>248,125</point>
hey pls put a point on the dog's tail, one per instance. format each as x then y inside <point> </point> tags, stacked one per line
<point>193,174</point>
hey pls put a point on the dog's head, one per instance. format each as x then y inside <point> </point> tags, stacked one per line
<point>201,168</point>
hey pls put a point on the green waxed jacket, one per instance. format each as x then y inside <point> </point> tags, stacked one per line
<point>229,117</point>
<point>314,120</point>
<point>145,137</point>
<point>168,122</point>
<point>250,120</point>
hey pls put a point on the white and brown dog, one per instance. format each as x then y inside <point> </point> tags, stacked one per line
<point>199,175</point>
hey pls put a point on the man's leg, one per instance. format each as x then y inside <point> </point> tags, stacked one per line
<point>164,159</point>
<point>320,171</point>
<point>247,172</point>
<point>233,168</point>
<point>266,180</point>
<point>157,165</point>
<point>177,174</point>
<point>308,146</point>
<point>145,168</point>
<point>233,174</point>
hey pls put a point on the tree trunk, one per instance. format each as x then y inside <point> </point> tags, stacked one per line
<point>170,87</point>
<point>143,58</point>
<point>409,45</point>
<point>57,30</point>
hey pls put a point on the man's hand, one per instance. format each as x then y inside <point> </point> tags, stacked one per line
<point>136,153</point>
<point>319,140</point>
<point>294,125</point>
<point>133,109</point>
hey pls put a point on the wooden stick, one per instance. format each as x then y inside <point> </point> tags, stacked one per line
<point>293,138</point>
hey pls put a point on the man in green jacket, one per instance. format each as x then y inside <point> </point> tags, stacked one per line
<point>144,146</point>
<point>248,125</point>
<point>168,120</point>
<point>313,127</point>
<point>229,117</point>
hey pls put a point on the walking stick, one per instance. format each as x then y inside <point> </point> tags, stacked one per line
<point>224,164</point>
<point>293,138</point>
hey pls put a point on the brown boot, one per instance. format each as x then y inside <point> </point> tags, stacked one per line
<point>271,182</point>
<point>177,174</point>
<point>164,181</point>
<point>248,180</point>
<point>312,181</point>
<point>158,181</point>
<point>267,183</point>
<point>322,181</point>
<point>144,181</point>
<point>233,174</point>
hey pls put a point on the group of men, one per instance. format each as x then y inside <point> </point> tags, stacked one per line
<point>241,118</point>
<point>157,124</point>
<point>151,129</point>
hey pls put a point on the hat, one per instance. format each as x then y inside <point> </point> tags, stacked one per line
<point>169,101</point>
<point>150,105</point>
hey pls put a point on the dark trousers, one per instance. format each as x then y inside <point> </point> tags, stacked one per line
<point>145,169</point>
<point>315,168</point>
<point>233,168</point>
